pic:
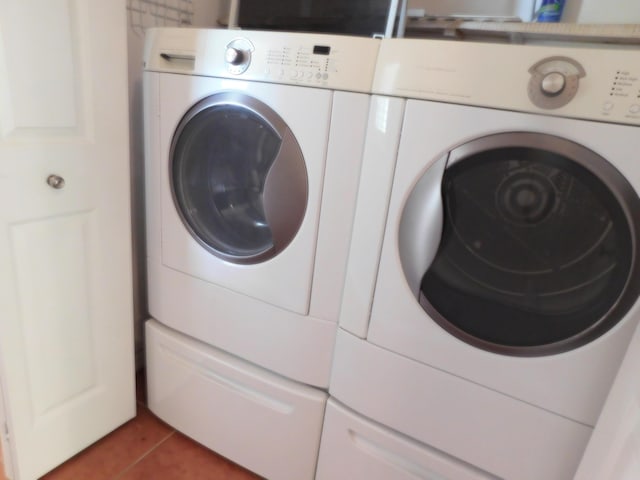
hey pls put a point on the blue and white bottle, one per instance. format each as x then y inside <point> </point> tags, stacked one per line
<point>550,11</point>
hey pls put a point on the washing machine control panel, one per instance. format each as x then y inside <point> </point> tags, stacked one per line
<point>554,82</point>
<point>305,59</point>
<point>336,62</point>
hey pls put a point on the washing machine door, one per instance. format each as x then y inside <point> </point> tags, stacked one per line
<point>238,178</point>
<point>538,252</point>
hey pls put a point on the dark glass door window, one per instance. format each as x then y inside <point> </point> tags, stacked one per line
<point>222,156</point>
<point>537,250</point>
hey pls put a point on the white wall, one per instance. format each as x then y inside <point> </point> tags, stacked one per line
<point>601,11</point>
<point>607,11</point>
<point>580,11</point>
<point>503,8</point>
<point>143,14</point>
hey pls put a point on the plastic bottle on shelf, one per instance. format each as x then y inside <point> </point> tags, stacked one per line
<point>550,11</point>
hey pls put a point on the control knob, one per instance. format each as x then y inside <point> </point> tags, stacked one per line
<point>237,55</point>
<point>553,83</point>
<point>234,56</point>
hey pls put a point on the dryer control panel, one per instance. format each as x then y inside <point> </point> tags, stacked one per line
<point>334,62</point>
<point>584,82</point>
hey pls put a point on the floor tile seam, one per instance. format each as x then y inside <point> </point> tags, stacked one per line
<point>144,455</point>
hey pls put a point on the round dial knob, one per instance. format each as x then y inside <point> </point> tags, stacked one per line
<point>234,56</point>
<point>553,83</point>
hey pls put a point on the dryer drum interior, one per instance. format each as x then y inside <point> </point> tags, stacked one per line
<point>538,251</point>
<point>238,178</point>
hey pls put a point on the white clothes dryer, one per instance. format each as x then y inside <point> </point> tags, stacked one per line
<point>253,149</point>
<point>493,278</point>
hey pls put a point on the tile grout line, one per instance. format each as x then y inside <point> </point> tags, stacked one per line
<point>144,455</point>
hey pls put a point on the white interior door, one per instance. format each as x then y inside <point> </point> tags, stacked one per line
<point>66,346</point>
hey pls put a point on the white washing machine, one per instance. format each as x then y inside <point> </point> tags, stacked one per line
<point>493,282</point>
<point>253,149</point>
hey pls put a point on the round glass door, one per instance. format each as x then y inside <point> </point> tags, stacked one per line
<point>538,253</point>
<point>238,178</point>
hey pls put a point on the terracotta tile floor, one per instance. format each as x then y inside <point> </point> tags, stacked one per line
<point>146,449</point>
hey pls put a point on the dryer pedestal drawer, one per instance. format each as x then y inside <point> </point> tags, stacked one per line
<point>498,434</point>
<point>260,420</point>
<point>355,448</point>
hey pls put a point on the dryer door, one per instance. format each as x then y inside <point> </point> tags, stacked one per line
<point>539,241</point>
<point>238,178</point>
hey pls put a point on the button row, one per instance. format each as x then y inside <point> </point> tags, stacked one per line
<point>633,109</point>
<point>297,75</point>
